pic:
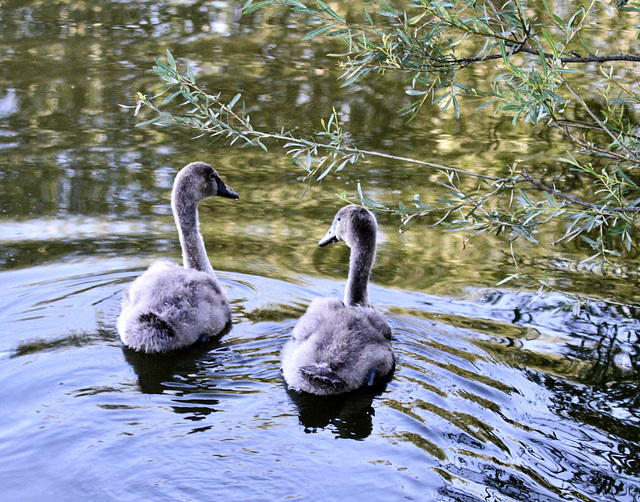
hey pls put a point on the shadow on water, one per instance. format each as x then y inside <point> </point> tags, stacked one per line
<point>156,371</point>
<point>349,415</point>
<point>77,340</point>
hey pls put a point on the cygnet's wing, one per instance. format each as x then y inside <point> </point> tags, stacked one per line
<point>337,349</point>
<point>169,307</point>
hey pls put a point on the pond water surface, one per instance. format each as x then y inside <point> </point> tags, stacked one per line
<point>497,395</point>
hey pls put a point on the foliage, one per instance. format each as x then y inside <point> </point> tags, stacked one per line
<point>550,70</point>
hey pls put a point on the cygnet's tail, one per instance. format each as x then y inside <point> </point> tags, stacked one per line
<point>323,376</point>
<point>156,325</point>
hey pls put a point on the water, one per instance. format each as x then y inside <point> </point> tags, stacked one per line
<point>496,395</point>
<point>470,414</point>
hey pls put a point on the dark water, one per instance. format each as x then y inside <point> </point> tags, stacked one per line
<point>496,396</point>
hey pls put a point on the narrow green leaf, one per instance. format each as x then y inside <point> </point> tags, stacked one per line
<point>366,12</point>
<point>330,11</point>
<point>171,97</point>
<point>421,205</point>
<point>318,31</point>
<point>559,21</point>
<point>503,51</point>
<point>234,100</point>
<point>164,67</point>
<point>339,33</point>
<point>309,161</point>
<point>550,41</point>
<point>170,60</point>
<point>150,121</point>
<point>570,70</point>
<point>341,166</point>
<point>297,4</point>
<point>589,241</point>
<point>484,105</point>
<point>248,8</point>
<point>385,5</point>
<point>373,203</point>
<point>326,171</point>
<point>456,108</point>
<point>525,197</point>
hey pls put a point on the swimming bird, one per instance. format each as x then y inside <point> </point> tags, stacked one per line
<point>339,346</point>
<point>170,307</point>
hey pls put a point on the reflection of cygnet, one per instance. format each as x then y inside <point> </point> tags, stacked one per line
<point>170,307</point>
<point>338,347</point>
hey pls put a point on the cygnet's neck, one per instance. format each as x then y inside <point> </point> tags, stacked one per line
<point>185,213</point>
<point>363,252</point>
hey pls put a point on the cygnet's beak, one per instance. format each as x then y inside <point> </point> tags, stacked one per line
<point>225,191</point>
<point>330,237</point>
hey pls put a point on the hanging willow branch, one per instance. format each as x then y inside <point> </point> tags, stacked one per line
<point>424,41</point>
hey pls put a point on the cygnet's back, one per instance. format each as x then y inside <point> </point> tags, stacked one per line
<point>170,307</point>
<point>337,346</point>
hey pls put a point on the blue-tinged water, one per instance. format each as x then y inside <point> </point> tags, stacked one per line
<point>484,413</point>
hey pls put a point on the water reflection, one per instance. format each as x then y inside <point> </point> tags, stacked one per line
<point>348,416</point>
<point>8,103</point>
<point>157,372</point>
<point>600,343</point>
<point>467,404</point>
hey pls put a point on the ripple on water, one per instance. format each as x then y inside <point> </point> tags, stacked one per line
<point>479,407</point>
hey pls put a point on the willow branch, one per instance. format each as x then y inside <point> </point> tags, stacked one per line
<point>438,62</point>
<point>422,163</point>
<point>574,200</point>
<point>598,121</point>
<point>589,147</point>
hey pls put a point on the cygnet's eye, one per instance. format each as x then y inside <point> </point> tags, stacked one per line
<point>212,175</point>
<point>339,218</point>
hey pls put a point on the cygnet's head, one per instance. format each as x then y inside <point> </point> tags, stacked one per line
<point>351,224</point>
<point>199,180</point>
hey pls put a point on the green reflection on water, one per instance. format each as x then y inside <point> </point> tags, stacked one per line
<point>70,149</point>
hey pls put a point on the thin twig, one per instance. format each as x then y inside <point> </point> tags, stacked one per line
<point>574,200</point>
<point>597,120</point>
<point>591,147</point>
<point>422,163</point>
<point>520,47</point>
